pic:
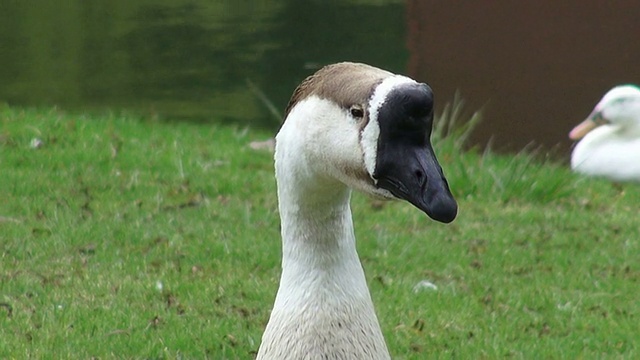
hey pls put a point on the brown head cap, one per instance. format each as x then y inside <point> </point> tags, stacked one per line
<point>344,83</point>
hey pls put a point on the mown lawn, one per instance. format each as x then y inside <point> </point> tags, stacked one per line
<point>130,238</point>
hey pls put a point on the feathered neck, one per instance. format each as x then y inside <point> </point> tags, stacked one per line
<point>323,306</point>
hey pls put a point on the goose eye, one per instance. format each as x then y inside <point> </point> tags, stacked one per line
<point>356,111</point>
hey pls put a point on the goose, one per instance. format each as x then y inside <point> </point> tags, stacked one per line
<point>609,139</point>
<point>349,126</point>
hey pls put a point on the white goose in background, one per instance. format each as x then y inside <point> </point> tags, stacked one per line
<point>348,126</point>
<point>610,137</point>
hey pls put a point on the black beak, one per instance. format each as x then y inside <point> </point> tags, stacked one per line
<point>416,176</point>
<point>406,164</point>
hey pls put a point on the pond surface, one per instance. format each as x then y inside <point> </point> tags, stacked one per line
<point>534,68</point>
<point>197,60</point>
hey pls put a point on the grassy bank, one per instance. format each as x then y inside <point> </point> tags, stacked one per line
<point>129,238</point>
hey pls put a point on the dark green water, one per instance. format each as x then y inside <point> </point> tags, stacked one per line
<point>196,60</point>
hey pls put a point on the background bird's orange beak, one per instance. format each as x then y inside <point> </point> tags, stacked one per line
<point>582,129</point>
<point>594,120</point>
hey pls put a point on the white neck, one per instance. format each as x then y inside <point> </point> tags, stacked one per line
<point>323,307</point>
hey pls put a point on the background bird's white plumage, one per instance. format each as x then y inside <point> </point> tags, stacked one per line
<point>610,137</point>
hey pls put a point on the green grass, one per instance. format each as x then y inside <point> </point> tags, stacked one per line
<point>540,263</point>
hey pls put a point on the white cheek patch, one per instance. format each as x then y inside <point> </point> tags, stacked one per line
<point>371,132</point>
<point>369,143</point>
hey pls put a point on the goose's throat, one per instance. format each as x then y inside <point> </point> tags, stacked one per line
<point>318,234</point>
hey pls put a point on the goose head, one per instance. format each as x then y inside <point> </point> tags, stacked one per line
<point>368,129</point>
<point>619,107</point>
